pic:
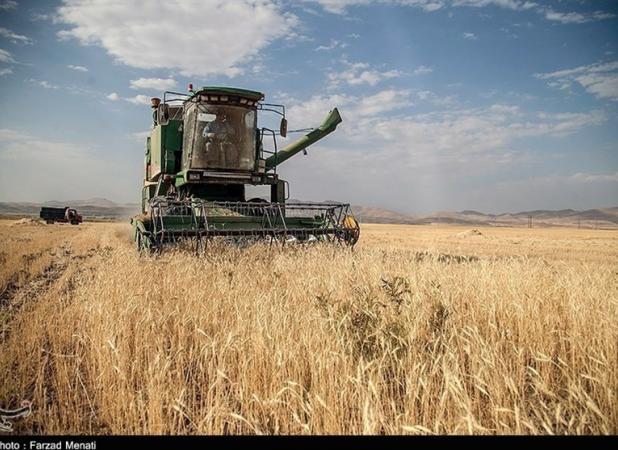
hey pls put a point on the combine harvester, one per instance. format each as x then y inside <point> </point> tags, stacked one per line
<point>204,149</point>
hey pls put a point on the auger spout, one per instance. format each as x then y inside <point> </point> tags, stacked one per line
<point>328,126</point>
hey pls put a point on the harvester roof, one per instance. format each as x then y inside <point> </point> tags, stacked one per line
<point>251,95</point>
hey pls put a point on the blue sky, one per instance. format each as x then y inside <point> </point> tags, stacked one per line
<point>495,105</point>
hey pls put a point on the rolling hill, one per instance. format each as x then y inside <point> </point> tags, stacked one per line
<point>102,208</point>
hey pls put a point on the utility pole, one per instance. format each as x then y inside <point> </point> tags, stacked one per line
<point>529,221</point>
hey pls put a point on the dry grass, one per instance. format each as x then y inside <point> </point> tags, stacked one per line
<point>419,330</point>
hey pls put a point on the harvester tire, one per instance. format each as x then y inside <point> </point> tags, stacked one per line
<point>351,232</point>
<point>138,241</point>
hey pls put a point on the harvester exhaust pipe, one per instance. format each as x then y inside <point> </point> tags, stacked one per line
<point>328,126</point>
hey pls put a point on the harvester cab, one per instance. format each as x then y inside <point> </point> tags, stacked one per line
<point>205,148</point>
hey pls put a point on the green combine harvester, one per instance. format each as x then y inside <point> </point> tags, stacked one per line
<point>204,150</point>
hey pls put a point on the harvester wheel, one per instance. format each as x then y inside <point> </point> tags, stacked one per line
<point>351,230</point>
<point>138,241</point>
<point>143,238</point>
<point>143,242</point>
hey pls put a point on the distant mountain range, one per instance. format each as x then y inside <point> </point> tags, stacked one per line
<point>590,218</point>
<point>89,208</point>
<point>103,208</point>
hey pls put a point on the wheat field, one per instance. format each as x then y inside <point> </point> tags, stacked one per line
<point>418,330</point>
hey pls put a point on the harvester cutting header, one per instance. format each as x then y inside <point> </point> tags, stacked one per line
<point>204,150</point>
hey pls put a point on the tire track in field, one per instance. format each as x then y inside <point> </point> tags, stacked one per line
<point>15,296</point>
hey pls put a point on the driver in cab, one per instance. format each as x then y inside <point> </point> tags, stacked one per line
<point>219,130</point>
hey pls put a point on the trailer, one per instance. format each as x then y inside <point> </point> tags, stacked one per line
<point>62,215</point>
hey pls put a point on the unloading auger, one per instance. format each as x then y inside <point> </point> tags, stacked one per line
<point>205,148</point>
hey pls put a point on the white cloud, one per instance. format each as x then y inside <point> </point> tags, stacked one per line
<point>158,84</point>
<point>370,119</point>
<point>139,100</point>
<point>35,161</point>
<point>339,6</point>
<point>601,85</point>
<point>457,139</point>
<point>309,113</point>
<point>569,17</point>
<point>113,97</point>
<point>14,37</point>
<point>6,56</point>
<point>80,90</point>
<point>360,73</point>
<point>465,136</point>
<point>562,85</point>
<point>78,68</point>
<point>600,79</point>
<point>4,72</point>
<point>334,43</point>
<point>382,102</point>
<point>448,101</point>
<point>43,83</point>
<point>7,134</point>
<point>509,4</point>
<point>576,17</point>
<point>140,136</point>
<point>47,85</point>
<point>38,17</point>
<point>422,70</point>
<point>12,142</point>
<point>470,36</point>
<point>354,108</point>
<point>429,5</point>
<point>592,68</point>
<point>400,159</point>
<point>197,37</point>
<point>595,178</point>
<point>5,5</point>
